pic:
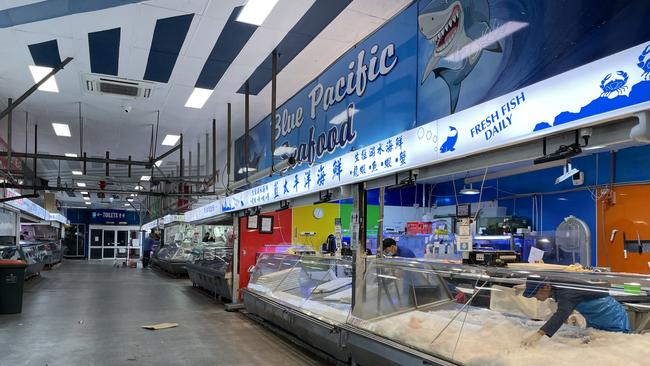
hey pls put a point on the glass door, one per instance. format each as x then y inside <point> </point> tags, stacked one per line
<point>122,243</point>
<point>96,236</point>
<point>108,249</point>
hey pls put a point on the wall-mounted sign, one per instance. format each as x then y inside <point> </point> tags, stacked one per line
<point>509,119</point>
<point>25,205</point>
<point>252,222</point>
<point>114,217</point>
<point>266,224</point>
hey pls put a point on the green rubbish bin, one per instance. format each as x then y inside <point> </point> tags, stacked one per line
<point>12,277</point>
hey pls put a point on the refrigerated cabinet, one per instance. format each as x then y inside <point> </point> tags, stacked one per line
<point>211,270</point>
<point>428,312</point>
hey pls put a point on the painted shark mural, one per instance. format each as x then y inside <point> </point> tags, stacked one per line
<point>451,26</point>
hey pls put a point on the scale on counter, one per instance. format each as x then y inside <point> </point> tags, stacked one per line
<point>573,236</point>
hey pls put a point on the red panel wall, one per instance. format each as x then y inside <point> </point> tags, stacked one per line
<point>250,241</point>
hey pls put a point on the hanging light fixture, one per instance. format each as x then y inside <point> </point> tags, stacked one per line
<point>469,190</point>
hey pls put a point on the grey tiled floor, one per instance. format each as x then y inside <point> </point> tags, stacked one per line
<point>85,313</point>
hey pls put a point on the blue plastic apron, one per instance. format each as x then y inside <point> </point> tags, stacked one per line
<point>605,313</point>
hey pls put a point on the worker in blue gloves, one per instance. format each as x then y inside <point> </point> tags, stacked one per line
<point>599,309</point>
<point>391,249</point>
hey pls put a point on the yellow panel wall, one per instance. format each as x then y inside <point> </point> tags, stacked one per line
<point>304,220</point>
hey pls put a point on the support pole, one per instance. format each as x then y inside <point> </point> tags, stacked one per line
<point>228,152</point>
<point>181,158</point>
<point>190,163</point>
<point>274,87</point>
<point>129,167</point>
<point>84,162</point>
<point>246,127</point>
<point>35,154</point>
<point>9,135</point>
<point>198,159</point>
<point>81,132</point>
<point>380,224</point>
<point>108,156</point>
<point>214,153</point>
<point>207,151</point>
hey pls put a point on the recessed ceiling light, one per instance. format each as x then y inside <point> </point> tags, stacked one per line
<point>88,203</point>
<point>198,98</point>
<point>256,11</point>
<point>77,172</point>
<point>38,73</point>
<point>83,192</point>
<point>61,129</point>
<point>134,195</point>
<point>145,178</point>
<point>71,155</point>
<point>158,163</point>
<point>127,204</point>
<point>129,199</point>
<point>81,184</point>
<point>138,188</point>
<point>171,140</point>
<point>87,198</point>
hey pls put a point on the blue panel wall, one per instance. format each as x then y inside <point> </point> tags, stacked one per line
<point>168,38</point>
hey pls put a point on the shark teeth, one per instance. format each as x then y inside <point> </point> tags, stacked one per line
<point>441,39</point>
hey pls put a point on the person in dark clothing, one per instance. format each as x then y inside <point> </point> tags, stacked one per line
<point>599,309</point>
<point>147,246</point>
<point>392,249</point>
<point>206,237</point>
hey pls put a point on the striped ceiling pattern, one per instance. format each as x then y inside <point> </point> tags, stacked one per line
<point>170,34</point>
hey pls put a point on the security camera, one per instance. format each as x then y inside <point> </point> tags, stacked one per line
<point>126,108</point>
<point>586,133</point>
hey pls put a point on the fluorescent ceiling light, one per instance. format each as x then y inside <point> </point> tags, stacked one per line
<point>88,203</point>
<point>158,163</point>
<point>77,172</point>
<point>198,98</point>
<point>134,195</point>
<point>83,193</point>
<point>81,184</point>
<point>87,198</point>
<point>71,155</point>
<point>61,129</point>
<point>138,188</point>
<point>256,11</point>
<point>127,204</point>
<point>38,73</point>
<point>145,178</point>
<point>469,190</point>
<point>171,140</point>
<point>129,199</point>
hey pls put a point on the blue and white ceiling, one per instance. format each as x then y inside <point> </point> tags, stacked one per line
<point>178,45</point>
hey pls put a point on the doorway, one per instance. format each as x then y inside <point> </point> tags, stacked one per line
<point>113,242</point>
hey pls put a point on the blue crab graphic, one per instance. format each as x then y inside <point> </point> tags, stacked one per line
<point>644,63</point>
<point>614,84</point>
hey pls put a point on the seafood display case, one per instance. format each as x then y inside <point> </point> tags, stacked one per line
<point>48,237</point>
<point>458,314</point>
<point>211,269</point>
<point>308,296</point>
<point>33,254</point>
<point>428,312</point>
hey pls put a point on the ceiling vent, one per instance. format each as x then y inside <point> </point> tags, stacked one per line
<point>109,85</point>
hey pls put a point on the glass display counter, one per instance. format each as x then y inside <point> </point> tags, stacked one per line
<point>211,269</point>
<point>421,311</point>
<point>308,296</point>
<point>476,315</point>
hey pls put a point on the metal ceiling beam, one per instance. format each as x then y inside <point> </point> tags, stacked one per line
<point>7,199</point>
<point>84,159</point>
<point>34,87</point>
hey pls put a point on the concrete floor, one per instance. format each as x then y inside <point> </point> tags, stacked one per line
<point>85,313</point>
